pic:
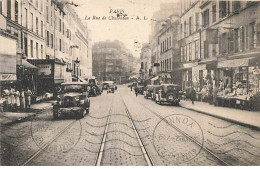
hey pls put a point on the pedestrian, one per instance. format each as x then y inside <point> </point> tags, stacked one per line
<point>131,88</point>
<point>22,99</point>
<point>215,93</point>
<point>210,97</point>
<point>192,95</point>
<point>12,98</point>
<point>28,94</point>
<point>17,99</point>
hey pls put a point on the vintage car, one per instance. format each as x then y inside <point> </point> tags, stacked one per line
<point>108,84</point>
<point>140,89</point>
<point>168,93</point>
<point>72,101</point>
<point>148,91</point>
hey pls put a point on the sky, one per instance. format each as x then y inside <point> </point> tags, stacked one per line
<point>127,31</point>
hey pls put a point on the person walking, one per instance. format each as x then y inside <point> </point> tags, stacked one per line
<point>28,94</point>
<point>22,99</point>
<point>215,93</point>
<point>210,93</point>
<point>136,92</point>
<point>192,95</point>
<point>17,99</point>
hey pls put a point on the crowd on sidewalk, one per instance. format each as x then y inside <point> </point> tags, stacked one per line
<point>14,99</point>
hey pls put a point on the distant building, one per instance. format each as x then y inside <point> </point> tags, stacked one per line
<point>145,58</point>
<point>112,61</point>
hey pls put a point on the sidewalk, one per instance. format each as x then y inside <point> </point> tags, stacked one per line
<point>13,117</point>
<point>243,117</point>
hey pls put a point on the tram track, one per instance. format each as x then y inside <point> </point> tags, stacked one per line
<point>141,144</point>
<point>185,134</point>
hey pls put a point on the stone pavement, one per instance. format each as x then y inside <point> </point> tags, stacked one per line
<point>12,117</point>
<point>243,117</point>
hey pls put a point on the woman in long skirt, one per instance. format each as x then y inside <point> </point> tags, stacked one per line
<point>22,99</point>
<point>17,98</point>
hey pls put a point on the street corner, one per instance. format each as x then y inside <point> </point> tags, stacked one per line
<point>52,136</point>
<point>178,138</point>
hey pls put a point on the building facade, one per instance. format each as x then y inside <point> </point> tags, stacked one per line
<point>220,44</point>
<point>50,36</point>
<point>145,57</point>
<point>112,61</point>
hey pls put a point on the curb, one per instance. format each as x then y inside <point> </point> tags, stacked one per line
<point>22,119</point>
<point>226,119</point>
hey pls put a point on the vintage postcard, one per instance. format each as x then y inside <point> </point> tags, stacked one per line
<point>129,83</point>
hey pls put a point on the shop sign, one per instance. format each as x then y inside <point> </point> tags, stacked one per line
<point>44,69</point>
<point>8,77</point>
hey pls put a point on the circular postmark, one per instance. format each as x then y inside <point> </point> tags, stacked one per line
<point>58,135</point>
<point>178,138</point>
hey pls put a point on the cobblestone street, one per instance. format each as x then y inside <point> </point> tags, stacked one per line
<point>122,129</point>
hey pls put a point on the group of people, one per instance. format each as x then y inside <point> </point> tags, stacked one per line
<point>16,99</point>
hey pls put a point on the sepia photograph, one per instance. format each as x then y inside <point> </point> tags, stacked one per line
<point>130,83</point>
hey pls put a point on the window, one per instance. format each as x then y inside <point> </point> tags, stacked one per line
<point>246,37</point>
<point>16,11</point>
<point>197,21</point>
<point>47,38</point>
<point>1,7</point>
<point>236,6</point>
<point>184,29</point>
<point>37,25</point>
<point>251,35</point>
<point>236,40</point>
<point>47,14</point>
<point>31,21</point>
<point>25,46</point>
<point>41,28</point>
<point>26,18</point>
<point>9,8</point>
<point>242,39</point>
<point>190,25</point>
<point>63,28</point>
<point>31,48</point>
<point>37,4</point>
<point>190,51</point>
<point>196,49</point>
<point>37,50</point>
<point>170,41</point>
<point>41,51</point>
<point>206,18</point>
<point>231,41</point>
<point>258,34</point>
<point>52,41</point>
<point>182,54</point>
<point>224,43</point>
<point>206,50</point>
<point>224,9</point>
<point>41,5</point>
<point>214,50</point>
<point>60,45</point>
<point>214,13</point>
<point>51,19</point>
<point>60,25</point>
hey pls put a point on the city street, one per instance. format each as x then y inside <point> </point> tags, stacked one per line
<point>125,129</point>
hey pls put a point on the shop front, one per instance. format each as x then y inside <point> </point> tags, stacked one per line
<point>238,82</point>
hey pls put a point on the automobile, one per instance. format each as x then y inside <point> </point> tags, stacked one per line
<point>140,89</point>
<point>169,93</point>
<point>72,101</point>
<point>111,90</point>
<point>148,91</point>
<point>156,90</point>
<point>107,84</point>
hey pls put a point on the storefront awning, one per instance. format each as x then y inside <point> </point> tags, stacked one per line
<point>235,63</point>
<point>155,78</point>
<point>27,64</point>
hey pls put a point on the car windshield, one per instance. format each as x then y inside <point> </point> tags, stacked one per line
<point>73,88</point>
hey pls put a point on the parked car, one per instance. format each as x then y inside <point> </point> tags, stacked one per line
<point>148,91</point>
<point>169,93</point>
<point>72,101</point>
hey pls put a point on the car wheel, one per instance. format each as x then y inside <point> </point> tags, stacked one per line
<point>160,103</point>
